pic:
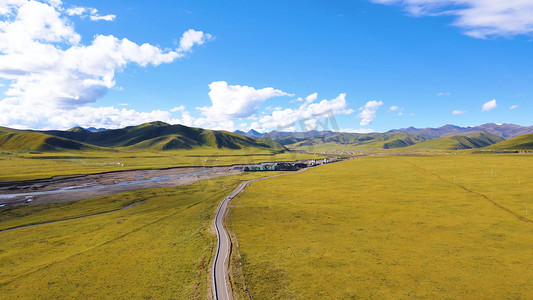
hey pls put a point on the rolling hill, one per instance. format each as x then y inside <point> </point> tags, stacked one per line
<point>156,136</point>
<point>456,137</point>
<point>358,141</point>
<point>523,142</point>
<point>38,142</point>
<point>457,142</point>
<point>502,130</point>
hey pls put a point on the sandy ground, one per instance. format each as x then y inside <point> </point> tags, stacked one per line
<point>77,187</point>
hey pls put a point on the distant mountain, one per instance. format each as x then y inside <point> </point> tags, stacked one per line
<point>149,136</point>
<point>523,142</point>
<point>360,141</point>
<point>461,138</point>
<point>93,129</point>
<point>458,142</point>
<point>504,130</point>
<point>286,138</point>
<point>251,133</point>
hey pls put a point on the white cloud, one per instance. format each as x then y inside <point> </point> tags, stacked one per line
<point>490,105</point>
<point>192,37</point>
<point>76,11</point>
<point>236,101</point>
<point>441,94</point>
<point>107,117</point>
<point>458,112</point>
<point>513,107</point>
<point>311,98</point>
<point>50,73</point>
<point>92,13</point>
<point>286,117</point>
<point>360,130</point>
<point>368,112</point>
<point>397,109</point>
<point>178,108</point>
<point>478,18</point>
<point>105,18</point>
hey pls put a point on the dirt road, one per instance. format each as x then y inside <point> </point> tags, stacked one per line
<point>220,282</point>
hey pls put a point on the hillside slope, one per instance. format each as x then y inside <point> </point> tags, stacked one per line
<point>358,141</point>
<point>458,142</point>
<point>523,142</point>
<point>38,142</point>
<point>502,130</point>
<point>155,136</point>
<point>163,136</point>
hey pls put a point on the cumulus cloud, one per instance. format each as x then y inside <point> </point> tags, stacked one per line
<point>231,103</point>
<point>193,37</point>
<point>458,112</point>
<point>51,73</point>
<point>106,117</point>
<point>477,18</point>
<point>236,101</point>
<point>360,130</point>
<point>513,107</point>
<point>310,99</point>
<point>90,12</point>
<point>286,117</point>
<point>368,112</point>
<point>490,105</point>
<point>398,110</point>
<point>178,108</point>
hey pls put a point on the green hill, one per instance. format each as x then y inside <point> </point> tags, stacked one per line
<point>162,136</point>
<point>360,141</point>
<point>523,142</point>
<point>458,142</point>
<point>155,136</point>
<point>39,142</point>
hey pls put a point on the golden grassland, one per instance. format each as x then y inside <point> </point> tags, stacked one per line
<point>14,167</point>
<point>161,248</point>
<point>386,227</point>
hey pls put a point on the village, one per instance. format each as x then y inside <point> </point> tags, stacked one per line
<point>290,166</point>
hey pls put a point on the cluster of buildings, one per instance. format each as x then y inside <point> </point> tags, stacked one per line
<point>288,166</point>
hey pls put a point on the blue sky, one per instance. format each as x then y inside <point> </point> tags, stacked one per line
<point>376,65</point>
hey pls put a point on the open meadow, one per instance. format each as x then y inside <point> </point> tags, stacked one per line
<point>153,243</point>
<point>389,227</point>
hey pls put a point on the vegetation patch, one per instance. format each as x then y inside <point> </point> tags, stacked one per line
<point>161,248</point>
<point>390,227</point>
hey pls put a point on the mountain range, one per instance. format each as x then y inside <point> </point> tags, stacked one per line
<point>448,137</point>
<point>160,136</point>
<point>155,136</point>
<point>502,130</point>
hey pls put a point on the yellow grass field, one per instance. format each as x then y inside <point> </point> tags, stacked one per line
<point>14,167</point>
<point>390,227</point>
<point>161,248</point>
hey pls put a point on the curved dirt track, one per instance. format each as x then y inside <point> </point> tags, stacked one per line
<point>220,282</point>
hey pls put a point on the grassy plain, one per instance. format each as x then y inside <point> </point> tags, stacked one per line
<point>390,227</point>
<point>17,166</point>
<point>161,248</point>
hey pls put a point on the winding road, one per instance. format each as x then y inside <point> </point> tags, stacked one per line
<point>221,285</point>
